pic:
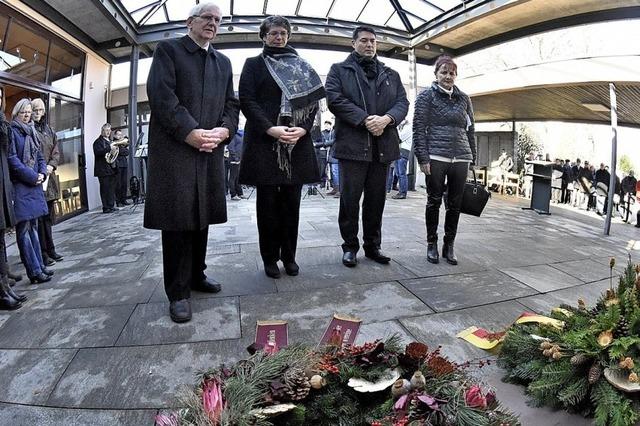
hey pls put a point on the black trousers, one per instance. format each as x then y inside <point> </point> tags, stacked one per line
<point>4,266</point>
<point>45,234</point>
<point>121,184</point>
<point>108,191</point>
<point>183,261</point>
<point>278,211</point>
<point>456,176</point>
<point>234,185</point>
<point>358,178</point>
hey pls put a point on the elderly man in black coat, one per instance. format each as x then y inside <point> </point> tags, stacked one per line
<point>193,111</point>
<point>104,171</point>
<point>368,100</point>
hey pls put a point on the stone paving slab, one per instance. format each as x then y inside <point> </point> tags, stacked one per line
<point>47,298</point>
<point>29,376</point>
<point>327,276</point>
<point>45,416</point>
<point>441,328</point>
<point>383,330</point>
<point>213,319</point>
<point>70,328</point>
<point>120,258</point>
<point>99,275</point>
<point>543,303</point>
<point>448,292</point>
<point>115,294</point>
<point>422,268</point>
<point>137,377</point>
<point>543,278</point>
<point>588,270</point>
<point>313,309</point>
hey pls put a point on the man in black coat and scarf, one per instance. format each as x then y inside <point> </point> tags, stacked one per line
<point>104,171</point>
<point>368,101</point>
<point>193,112</point>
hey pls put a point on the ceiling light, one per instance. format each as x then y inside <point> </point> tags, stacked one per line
<point>596,107</point>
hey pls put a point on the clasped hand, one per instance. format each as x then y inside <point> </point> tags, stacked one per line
<point>207,140</point>
<point>376,124</point>
<point>285,134</point>
<point>40,179</point>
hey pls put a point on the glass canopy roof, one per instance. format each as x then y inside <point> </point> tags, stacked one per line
<point>383,13</point>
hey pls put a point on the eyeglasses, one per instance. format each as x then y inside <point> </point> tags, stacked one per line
<point>208,18</point>
<point>38,110</point>
<point>24,112</point>
<point>278,33</point>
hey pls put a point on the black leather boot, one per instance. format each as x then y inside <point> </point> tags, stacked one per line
<point>432,252</point>
<point>449,254</point>
<point>7,303</point>
<point>4,283</point>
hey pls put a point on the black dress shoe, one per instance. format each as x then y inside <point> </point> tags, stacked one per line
<point>448,253</point>
<point>48,272</point>
<point>207,286</point>
<point>42,278</point>
<point>349,259</point>
<point>291,268</point>
<point>8,303</point>
<point>271,269</point>
<point>55,256</point>
<point>19,297</point>
<point>432,253</point>
<point>377,256</point>
<point>48,261</point>
<point>180,310</point>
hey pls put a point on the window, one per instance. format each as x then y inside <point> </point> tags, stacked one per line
<point>65,69</point>
<point>25,53</point>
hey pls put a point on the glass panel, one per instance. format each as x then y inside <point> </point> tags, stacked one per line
<point>315,8</point>
<point>4,21</point>
<point>395,22</point>
<point>65,69</point>
<point>133,5</point>
<point>118,117</point>
<point>179,9</point>
<point>248,7</point>
<point>157,18</point>
<point>420,9</point>
<point>377,12</point>
<point>25,53</point>
<point>347,10</point>
<point>66,120</point>
<point>446,5</point>
<point>12,94</point>
<point>281,7</point>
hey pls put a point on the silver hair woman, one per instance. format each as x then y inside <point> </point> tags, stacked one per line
<point>28,171</point>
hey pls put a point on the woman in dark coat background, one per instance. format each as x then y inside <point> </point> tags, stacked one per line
<point>9,300</point>
<point>28,171</point>
<point>278,155</point>
<point>48,142</point>
<point>444,143</point>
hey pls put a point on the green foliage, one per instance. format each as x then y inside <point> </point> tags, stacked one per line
<point>625,164</point>
<point>553,378</point>
<point>622,347</point>
<point>525,144</point>
<point>608,319</point>
<point>611,407</point>
<point>574,393</point>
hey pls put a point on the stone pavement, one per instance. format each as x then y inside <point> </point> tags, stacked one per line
<point>96,346</point>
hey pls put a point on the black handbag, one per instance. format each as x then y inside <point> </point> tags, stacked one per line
<point>474,197</point>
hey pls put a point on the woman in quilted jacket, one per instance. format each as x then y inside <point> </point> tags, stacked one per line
<point>444,143</point>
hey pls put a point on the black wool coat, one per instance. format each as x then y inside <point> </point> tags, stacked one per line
<point>260,99</point>
<point>7,213</point>
<point>188,88</point>
<point>101,168</point>
<point>346,100</point>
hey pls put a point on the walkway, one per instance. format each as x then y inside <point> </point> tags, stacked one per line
<point>96,346</point>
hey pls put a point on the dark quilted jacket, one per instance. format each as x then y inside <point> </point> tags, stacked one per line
<point>443,125</point>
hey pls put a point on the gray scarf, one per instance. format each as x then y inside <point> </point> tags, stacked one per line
<point>31,147</point>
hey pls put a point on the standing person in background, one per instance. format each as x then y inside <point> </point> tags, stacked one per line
<point>28,171</point>
<point>368,101</point>
<point>278,155</point>
<point>122,168</point>
<point>444,142</point>
<point>193,112</point>
<point>9,300</point>
<point>567,178</point>
<point>628,188</point>
<point>49,148</point>
<point>329,138</point>
<point>104,171</point>
<point>235,154</point>
<point>406,134</point>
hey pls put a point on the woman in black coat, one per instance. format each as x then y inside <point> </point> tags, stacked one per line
<point>444,143</point>
<point>278,155</point>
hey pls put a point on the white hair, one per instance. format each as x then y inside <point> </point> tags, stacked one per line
<point>199,8</point>
<point>20,106</point>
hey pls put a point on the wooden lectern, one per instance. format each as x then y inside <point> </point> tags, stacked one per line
<point>541,173</point>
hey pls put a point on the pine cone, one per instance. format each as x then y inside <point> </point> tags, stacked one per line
<point>594,373</point>
<point>579,359</point>
<point>622,328</point>
<point>296,384</point>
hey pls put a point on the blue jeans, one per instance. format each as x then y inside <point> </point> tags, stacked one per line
<point>335,176</point>
<point>401,171</point>
<point>29,246</point>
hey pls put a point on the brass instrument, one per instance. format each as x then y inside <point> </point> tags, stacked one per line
<point>115,150</point>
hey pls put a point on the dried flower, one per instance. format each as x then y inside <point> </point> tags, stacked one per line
<point>170,419</point>
<point>212,399</point>
<point>547,352</point>
<point>612,262</point>
<point>474,399</point>
<point>633,377</point>
<point>557,355</point>
<point>626,363</point>
<point>545,345</point>
<point>581,304</point>
<point>491,398</point>
<point>439,366</point>
<point>638,269</point>
<point>416,350</point>
<point>605,338</point>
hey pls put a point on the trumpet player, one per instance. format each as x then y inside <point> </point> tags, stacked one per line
<point>105,171</point>
<point>122,168</point>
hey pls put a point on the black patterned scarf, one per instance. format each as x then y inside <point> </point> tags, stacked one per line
<point>301,90</point>
<point>31,146</point>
